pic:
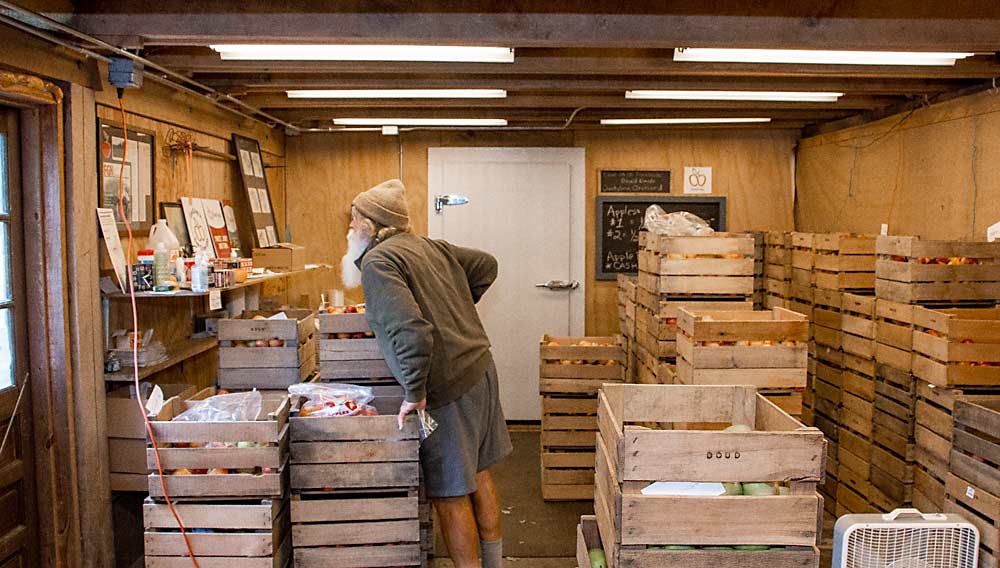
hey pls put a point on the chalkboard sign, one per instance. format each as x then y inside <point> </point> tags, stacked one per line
<point>619,219</point>
<point>635,181</point>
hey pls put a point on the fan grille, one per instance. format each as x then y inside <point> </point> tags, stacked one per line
<point>885,547</point>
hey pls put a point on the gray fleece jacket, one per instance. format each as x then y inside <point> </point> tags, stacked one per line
<point>420,297</point>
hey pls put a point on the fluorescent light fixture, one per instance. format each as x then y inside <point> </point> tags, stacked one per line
<point>399,94</point>
<point>420,121</point>
<point>323,52</point>
<point>635,121</point>
<point>714,55</point>
<point>782,96</point>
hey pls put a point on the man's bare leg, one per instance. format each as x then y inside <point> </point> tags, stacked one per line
<point>486,504</point>
<point>458,525</point>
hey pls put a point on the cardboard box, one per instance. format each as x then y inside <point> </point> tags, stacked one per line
<point>283,256</point>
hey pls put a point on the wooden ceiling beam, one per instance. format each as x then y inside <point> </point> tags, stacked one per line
<point>279,83</point>
<point>973,68</point>
<point>190,24</point>
<point>561,101</point>
<point>298,115</point>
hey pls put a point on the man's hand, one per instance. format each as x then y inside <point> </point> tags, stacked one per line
<point>408,407</point>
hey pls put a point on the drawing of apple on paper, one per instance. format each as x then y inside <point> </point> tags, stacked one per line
<point>697,179</point>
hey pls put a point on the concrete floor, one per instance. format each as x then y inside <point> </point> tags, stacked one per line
<point>536,534</point>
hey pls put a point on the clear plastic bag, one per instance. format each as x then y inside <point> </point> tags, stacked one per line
<point>678,224</point>
<point>235,407</point>
<point>333,399</point>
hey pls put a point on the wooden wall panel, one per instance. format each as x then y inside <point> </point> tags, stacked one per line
<point>326,171</point>
<point>931,173</point>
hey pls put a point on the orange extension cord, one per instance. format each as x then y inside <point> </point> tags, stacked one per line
<point>135,329</point>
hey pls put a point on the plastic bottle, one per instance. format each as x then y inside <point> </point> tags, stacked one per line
<point>179,271</point>
<point>199,274</point>
<point>162,233</point>
<point>161,265</point>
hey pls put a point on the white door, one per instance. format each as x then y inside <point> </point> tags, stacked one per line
<point>526,207</point>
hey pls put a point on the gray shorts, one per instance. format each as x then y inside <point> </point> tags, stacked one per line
<point>471,436</point>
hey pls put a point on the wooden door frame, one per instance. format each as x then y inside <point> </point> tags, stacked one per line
<point>46,293</point>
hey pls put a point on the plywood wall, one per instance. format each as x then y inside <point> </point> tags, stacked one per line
<point>932,172</point>
<point>325,171</point>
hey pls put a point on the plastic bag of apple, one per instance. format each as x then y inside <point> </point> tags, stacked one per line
<point>583,343</point>
<point>223,407</point>
<point>333,400</point>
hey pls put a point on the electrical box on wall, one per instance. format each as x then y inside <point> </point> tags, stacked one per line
<point>125,73</point>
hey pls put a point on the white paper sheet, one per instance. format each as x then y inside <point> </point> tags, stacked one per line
<point>272,237</point>
<point>258,167</point>
<point>246,163</point>
<point>684,488</point>
<point>109,229</point>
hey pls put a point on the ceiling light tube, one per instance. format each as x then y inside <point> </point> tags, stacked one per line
<point>719,55</point>
<point>780,96</point>
<point>325,52</point>
<point>638,121</point>
<point>398,94</point>
<point>420,121</point>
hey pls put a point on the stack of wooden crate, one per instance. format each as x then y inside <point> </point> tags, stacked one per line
<point>844,261</point>
<point>267,353</point>
<point>827,380</point>
<point>571,372</point>
<point>349,352</point>
<point>767,349</point>
<point>227,480</point>
<point>627,290</point>
<point>911,270</point>
<point>973,484</point>
<point>759,288</point>
<point>801,287</point>
<point>710,272</point>
<point>777,269</point>
<point>355,490</point>
<point>854,449</point>
<point>638,527</point>
<point>956,354</point>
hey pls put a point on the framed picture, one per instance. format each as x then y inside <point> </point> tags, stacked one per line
<point>127,165</point>
<point>174,215</point>
<point>251,169</point>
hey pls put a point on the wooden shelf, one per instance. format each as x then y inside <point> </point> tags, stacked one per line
<point>252,281</point>
<point>176,353</point>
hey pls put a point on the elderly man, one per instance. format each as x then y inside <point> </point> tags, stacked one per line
<point>420,299</point>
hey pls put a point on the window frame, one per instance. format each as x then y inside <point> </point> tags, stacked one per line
<point>14,218</point>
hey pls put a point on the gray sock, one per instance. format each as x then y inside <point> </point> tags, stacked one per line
<point>491,552</point>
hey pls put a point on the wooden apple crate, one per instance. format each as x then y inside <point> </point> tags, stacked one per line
<point>657,334</point>
<point>778,256</point>
<point>933,436</point>
<point>844,261</point>
<point>894,334</point>
<point>346,359</point>
<point>759,288</point>
<point>776,293</point>
<point>912,270</point>
<point>801,299</point>
<point>957,347</point>
<point>588,536</point>
<point>355,487</point>
<point>827,319</point>
<point>630,457</point>
<point>973,483</point>
<point>243,367</point>
<point>127,436</point>
<point>269,431</point>
<point>248,534</point>
<point>722,264</point>
<point>718,347</point>
<point>567,368</point>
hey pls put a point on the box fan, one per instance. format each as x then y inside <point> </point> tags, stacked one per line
<point>905,538</point>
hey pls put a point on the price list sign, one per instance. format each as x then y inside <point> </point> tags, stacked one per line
<point>619,220</point>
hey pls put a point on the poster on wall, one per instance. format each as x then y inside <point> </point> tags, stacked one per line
<point>234,234</point>
<point>216,222</point>
<point>251,168</point>
<point>697,180</point>
<point>126,165</point>
<point>106,219</point>
<point>198,231</point>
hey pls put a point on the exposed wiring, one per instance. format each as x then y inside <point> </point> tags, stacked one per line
<point>135,329</point>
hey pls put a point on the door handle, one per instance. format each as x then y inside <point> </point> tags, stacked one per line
<point>559,285</point>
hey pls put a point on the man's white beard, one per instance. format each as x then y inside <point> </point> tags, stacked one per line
<point>350,275</point>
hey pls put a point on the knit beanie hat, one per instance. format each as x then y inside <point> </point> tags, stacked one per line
<point>385,204</point>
